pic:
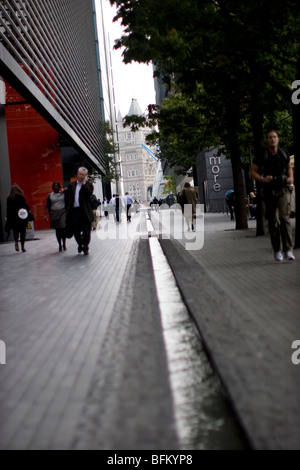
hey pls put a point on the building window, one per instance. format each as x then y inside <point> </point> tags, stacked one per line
<point>129,137</point>
<point>132,173</point>
<point>131,157</point>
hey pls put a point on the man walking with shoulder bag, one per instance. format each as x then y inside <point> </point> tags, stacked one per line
<point>273,170</point>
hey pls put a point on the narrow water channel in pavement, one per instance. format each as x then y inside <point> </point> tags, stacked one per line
<point>204,418</point>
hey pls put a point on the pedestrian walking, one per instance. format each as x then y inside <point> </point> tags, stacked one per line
<point>17,215</point>
<point>273,170</point>
<point>251,205</point>
<point>188,202</point>
<point>96,211</point>
<point>112,206</point>
<point>56,209</point>
<point>155,204</point>
<point>79,210</point>
<point>230,201</point>
<point>105,207</point>
<point>128,201</point>
<point>118,204</point>
<point>136,206</point>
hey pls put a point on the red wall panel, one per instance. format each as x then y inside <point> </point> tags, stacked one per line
<point>34,153</point>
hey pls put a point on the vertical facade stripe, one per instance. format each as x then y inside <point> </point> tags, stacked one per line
<point>56,44</point>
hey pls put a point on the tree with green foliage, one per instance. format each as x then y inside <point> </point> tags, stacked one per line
<point>170,185</point>
<point>236,60</point>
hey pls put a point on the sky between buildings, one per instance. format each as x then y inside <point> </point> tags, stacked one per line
<point>131,80</point>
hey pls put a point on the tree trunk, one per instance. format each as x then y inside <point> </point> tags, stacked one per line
<point>257,128</point>
<point>240,208</point>
<point>296,137</point>
<point>241,221</point>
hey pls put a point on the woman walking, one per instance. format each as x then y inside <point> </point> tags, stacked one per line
<point>105,204</point>
<point>17,215</point>
<point>95,205</point>
<point>55,207</point>
<point>188,201</point>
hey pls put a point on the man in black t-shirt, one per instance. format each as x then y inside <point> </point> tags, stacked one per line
<point>273,169</point>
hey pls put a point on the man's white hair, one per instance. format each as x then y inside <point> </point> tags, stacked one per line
<point>82,168</point>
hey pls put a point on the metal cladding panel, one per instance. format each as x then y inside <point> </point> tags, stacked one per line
<point>218,174</point>
<point>53,42</point>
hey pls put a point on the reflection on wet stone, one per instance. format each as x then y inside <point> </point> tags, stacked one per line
<point>202,414</point>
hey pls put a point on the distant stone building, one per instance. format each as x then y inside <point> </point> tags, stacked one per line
<point>138,167</point>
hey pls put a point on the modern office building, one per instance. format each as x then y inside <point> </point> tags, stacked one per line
<point>108,89</point>
<point>51,102</point>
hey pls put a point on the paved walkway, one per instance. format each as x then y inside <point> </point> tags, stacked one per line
<point>86,365</point>
<point>85,358</point>
<point>55,311</point>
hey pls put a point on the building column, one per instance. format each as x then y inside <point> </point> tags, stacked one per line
<point>5,178</point>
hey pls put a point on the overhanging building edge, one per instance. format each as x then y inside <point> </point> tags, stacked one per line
<point>15,76</point>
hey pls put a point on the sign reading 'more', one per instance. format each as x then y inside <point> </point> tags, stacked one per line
<point>215,163</point>
<point>218,174</point>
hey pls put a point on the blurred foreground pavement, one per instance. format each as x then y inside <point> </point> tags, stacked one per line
<point>87,363</point>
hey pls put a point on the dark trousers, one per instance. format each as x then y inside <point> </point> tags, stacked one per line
<point>128,212</point>
<point>277,204</point>
<point>22,232</point>
<point>61,236</point>
<point>81,228</point>
<point>117,209</point>
<point>231,210</point>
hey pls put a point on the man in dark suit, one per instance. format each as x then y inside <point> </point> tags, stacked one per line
<point>79,209</point>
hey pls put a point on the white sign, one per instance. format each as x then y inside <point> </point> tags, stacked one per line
<point>215,169</point>
<point>23,214</point>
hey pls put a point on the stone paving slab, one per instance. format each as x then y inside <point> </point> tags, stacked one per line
<point>246,307</point>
